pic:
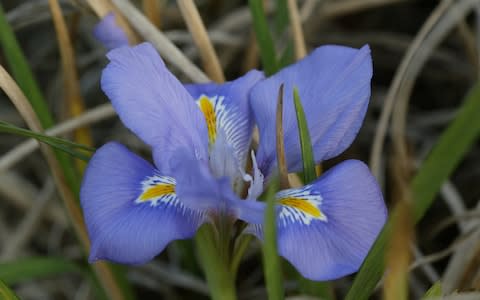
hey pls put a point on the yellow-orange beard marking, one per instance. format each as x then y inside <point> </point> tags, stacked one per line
<point>157,191</point>
<point>208,110</point>
<point>304,206</point>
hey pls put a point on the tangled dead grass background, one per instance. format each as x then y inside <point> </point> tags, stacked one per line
<point>426,57</point>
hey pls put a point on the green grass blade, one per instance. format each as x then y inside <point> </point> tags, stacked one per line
<point>309,173</point>
<point>21,71</point>
<point>282,21</point>
<point>55,142</point>
<point>318,289</point>
<point>264,37</point>
<point>6,293</point>
<point>271,260</point>
<point>281,16</point>
<point>32,268</point>
<point>37,267</point>
<point>434,291</point>
<point>10,128</point>
<point>451,147</point>
<point>445,156</point>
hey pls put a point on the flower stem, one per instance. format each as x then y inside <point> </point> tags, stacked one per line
<point>242,245</point>
<point>221,281</point>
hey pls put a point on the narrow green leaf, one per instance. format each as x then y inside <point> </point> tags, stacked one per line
<point>55,142</point>
<point>318,289</point>
<point>451,147</point>
<point>21,71</point>
<point>445,156</point>
<point>32,268</point>
<point>37,267</point>
<point>281,16</point>
<point>264,37</point>
<point>282,22</point>
<point>271,260</point>
<point>309,172</point>
<point>434,291</point>
<point>6,293</point>
<point>10,128</point>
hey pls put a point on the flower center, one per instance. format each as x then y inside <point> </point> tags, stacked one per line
<point>228,143</point>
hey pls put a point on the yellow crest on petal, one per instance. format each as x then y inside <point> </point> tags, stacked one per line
<point>300,205</point>
<point>303,205</point>
<point>157,191</point>
<point>208,109</point>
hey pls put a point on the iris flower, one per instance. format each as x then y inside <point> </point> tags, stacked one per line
<point>200,136</point>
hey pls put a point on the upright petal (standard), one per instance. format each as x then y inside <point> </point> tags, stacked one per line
<point>154,104</point>
<point>227,112</point>
<point>334,87</point>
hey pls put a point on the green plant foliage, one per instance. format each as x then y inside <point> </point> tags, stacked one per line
<point>6,293</point>
<point>281,16</point>
<point>434,291</point>
<point>271,260</point>
<point>36,267</point>
<point>21,71</point>
<point>319,289</point>
<point>309,173</point>
<point>219,278</point>
<point>55,142</point>
<point>264,37</point>
<point>453,144</point>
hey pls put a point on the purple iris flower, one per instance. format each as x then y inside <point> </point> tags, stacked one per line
<point>200,136</point>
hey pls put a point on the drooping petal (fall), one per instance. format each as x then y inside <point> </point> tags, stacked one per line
<point>334,87</point>
<point>109,33</point>
<point>154,104</point>
<point>131,211</point>
<point>326,228</point>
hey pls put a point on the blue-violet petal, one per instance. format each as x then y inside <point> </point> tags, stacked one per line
<point>326,228</point>
<point>131,211</point>
<point>154,104</point>
<point>334,87</point>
